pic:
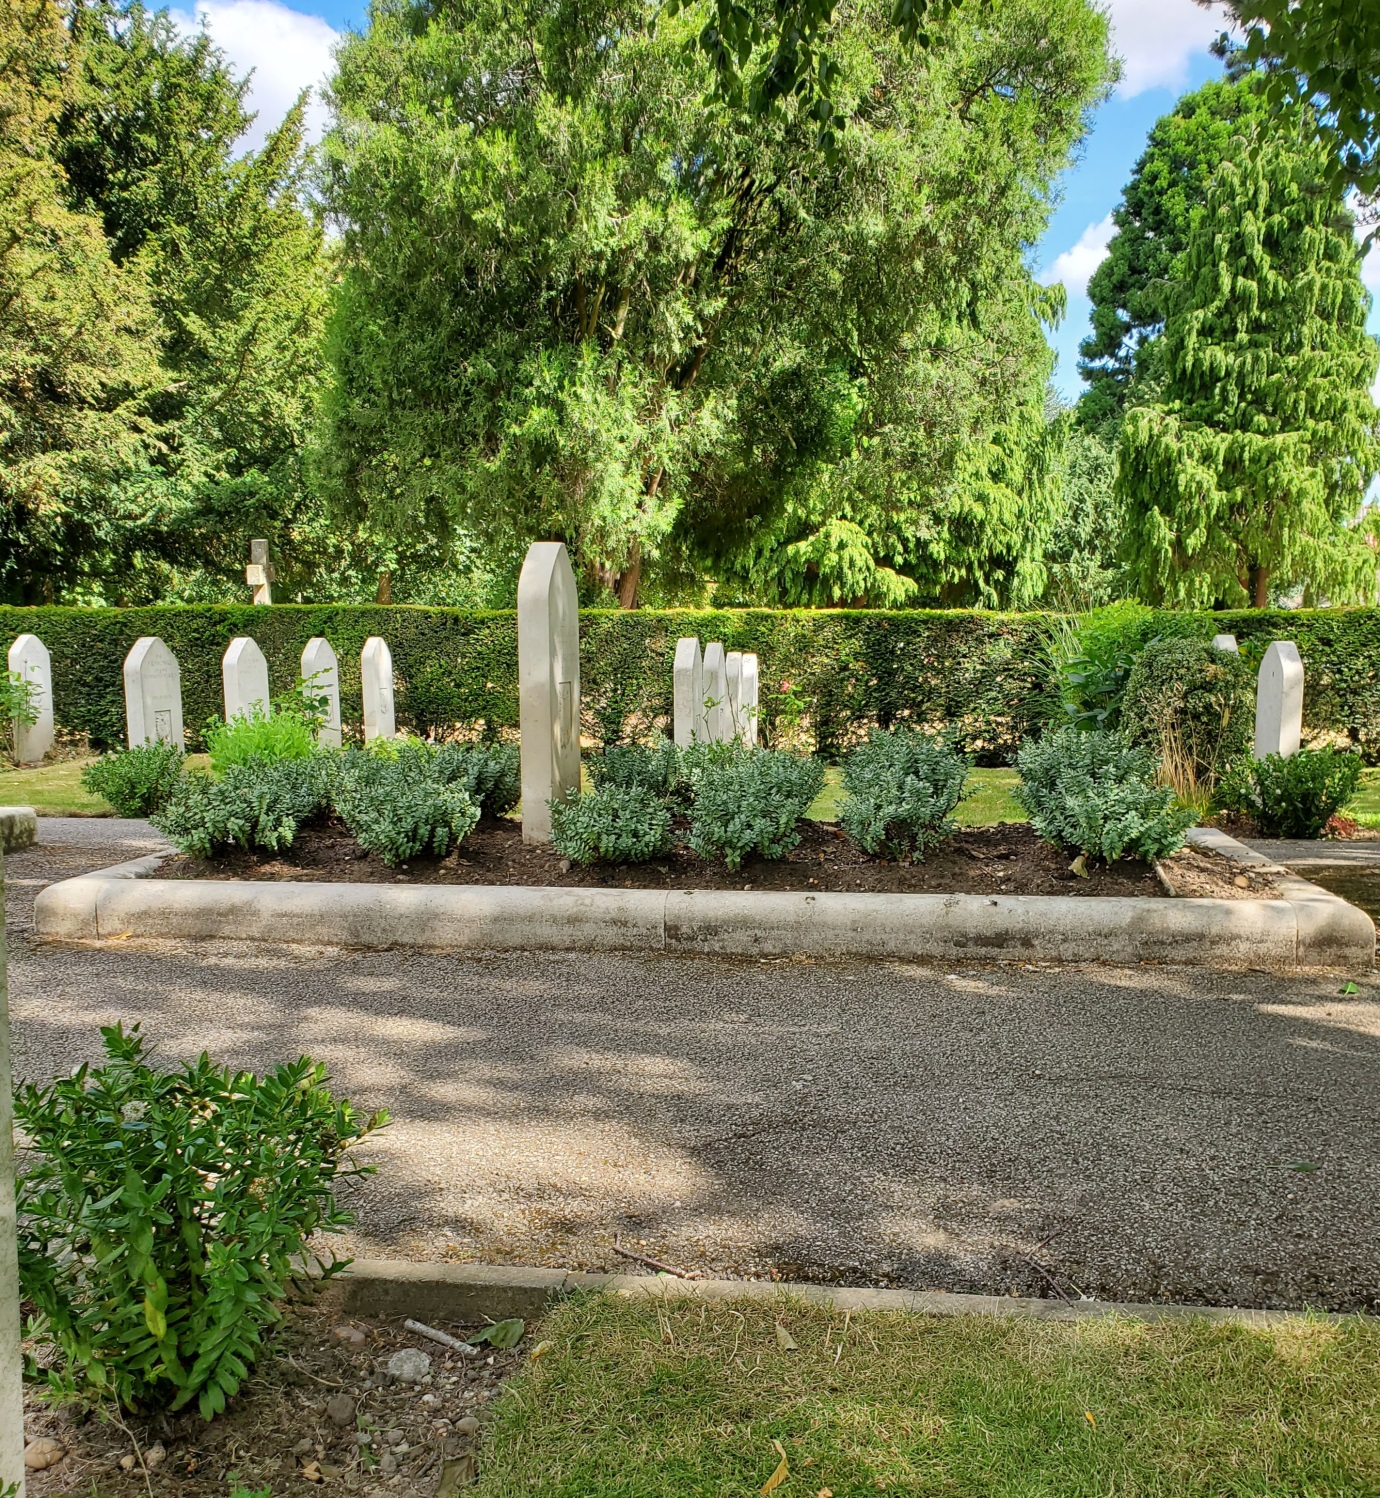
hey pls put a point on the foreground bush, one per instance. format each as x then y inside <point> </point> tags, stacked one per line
<point>136,782</point>
<point>1194,706</point>
<point>902,788</point>
<point>615,824</point>
<point>489,774</point>
<point>259,804</point>
<point>288,733</point>
<point>1095,792</point>
<point>1293,797</point>
<point>162,1214</point>
<point>655,768</point>
<point>749,802</point>
<point>396,806</point>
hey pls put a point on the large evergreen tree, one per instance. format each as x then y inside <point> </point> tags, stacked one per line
<point>1249,469</point>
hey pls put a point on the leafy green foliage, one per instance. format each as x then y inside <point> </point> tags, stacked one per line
<point>655,768</point>
<point>902,788</point>
<point>1193,705</point>
<point>162,1215</point>
<point>17,706</point>
<point>287,733</point>
<point>489,774</point>
<point>138,781</point>
<point>258,803</point>
<point>1294,796</point>
<point>749,803</point>
<point>614,824</point>
<point>1247,466</point>
<point>1093,791</point>
<point>397,806</point>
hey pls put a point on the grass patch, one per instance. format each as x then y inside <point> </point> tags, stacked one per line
<point>1364,806</point>
<point>53,790</point>
<point>991,802</point>
<point>639,1400</point>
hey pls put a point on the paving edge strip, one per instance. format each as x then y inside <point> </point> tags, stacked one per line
<point>493,1292</point>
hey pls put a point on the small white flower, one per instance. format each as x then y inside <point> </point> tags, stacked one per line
<point>133,1112</point>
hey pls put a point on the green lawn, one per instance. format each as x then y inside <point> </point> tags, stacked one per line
<point>990,802</point>
<point>1365,804</point>
<point>637,1400</point>
<point>52,790</point>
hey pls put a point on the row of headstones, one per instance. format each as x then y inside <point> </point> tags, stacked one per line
<point>715,694</point>
<point>1278,697</point>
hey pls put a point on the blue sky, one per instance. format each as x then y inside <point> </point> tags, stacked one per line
<point>1163,45</point>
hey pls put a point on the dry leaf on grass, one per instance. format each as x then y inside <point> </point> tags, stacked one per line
<point>782,1472</point>
<point>784,1340</point>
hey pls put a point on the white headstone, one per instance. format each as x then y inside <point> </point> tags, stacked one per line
<point>321,682</point>
<point>733,680</point>
<point>376,687</point>
<point>244,675</point>
<point>715,693</point>
<point>153,694</point>
<point>1226,642</point>
<point>1279,701</point>
<point>688,686</point>
<point>548,610</point>
<point>747,701</point>
<point>30,660</point>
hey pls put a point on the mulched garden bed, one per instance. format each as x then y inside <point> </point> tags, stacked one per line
<point>321,1410</point>
<point>1005,859</point>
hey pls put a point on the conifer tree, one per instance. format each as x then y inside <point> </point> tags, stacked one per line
<point>1248,470</point>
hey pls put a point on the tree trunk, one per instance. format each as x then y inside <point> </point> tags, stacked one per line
<point>1260,587</point>
<point>385,588</point>
<point>629,578</point>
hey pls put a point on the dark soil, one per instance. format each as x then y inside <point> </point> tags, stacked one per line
<point>1006,859</point>
<point>397,1440</point>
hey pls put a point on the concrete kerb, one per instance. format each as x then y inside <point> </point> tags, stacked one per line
<point>467,1293</point>
<point>18,828</point>
<point>1307,927</point>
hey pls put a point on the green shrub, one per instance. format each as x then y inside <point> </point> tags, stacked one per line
<point>396,807</point>
<point>289,732</point>
<point>902,788</point>
<point>490,774</point>
<point>655,769</point>
<point>750,801</point>
<point>18,705</point>
<point>1293,797</point>
<point>258,804</point>
<point>163,1213</point>
<point>136,782</point>
<point>1094,791</point>
<point>615,824</point>
<point>1193,705</point>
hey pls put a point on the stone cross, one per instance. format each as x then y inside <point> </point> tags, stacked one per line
<point>747,701</point>
<point>548,620</point>
<point>1279,701</point>
<point>321,682</point>
<point>1226,642</point>
<point>259,574</point>
<point>244,675</point>
<point>153,694</point>
<point>376,683</point>
<point>29,659</point>
<point>11,1359</point>
<point>715,693</point>
<point>688,684</point>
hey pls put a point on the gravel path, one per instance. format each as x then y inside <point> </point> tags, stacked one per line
<point>1172,1133</point>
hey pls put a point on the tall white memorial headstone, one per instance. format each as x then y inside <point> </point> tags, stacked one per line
<point>30,660</point>
<point>244,675</point>
<point>688,688</point>
<point>1279,701</point>
<point>11,1359</point>
<point>321,682</point>
<point>748,701</point>
<point>548,621</point>
<point>153,694</point>
<point>1226,642</point>
<point>376,688</point>
<point>715,693</point>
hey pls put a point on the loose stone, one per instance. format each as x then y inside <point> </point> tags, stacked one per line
<point>409,1365</point>
<point>340,1409</point>
<point>42,1453</point>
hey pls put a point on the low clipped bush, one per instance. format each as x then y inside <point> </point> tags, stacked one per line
<point>655,768</point>
<point>749,802</point>
<point>136,782</point>
<point>259,804</point>
<point>902,788</point>
<point>162,1215</point>
<point>489,774</point>
<point>1095,792</point>
<point>289,732</point>
<point>396,806</point>
<point>1294,796</point>
<point>614,824</point>
<point>1194,706</point>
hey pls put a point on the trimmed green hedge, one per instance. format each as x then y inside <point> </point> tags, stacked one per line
<point>984,673</point>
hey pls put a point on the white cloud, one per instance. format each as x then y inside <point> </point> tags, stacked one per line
<point>1075,266</point>
<point>1156,39</point>
<point>286,51</point>
<point>1370,268</point>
